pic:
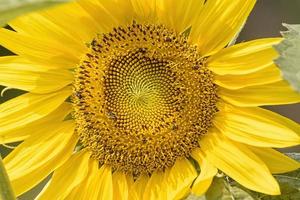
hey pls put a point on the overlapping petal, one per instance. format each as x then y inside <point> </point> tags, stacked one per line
<point>16,73</point>
<point>36,127</point>
<point>28,108</point>
<point>120,186</point>
<point>106,185</point>
<point>156,187</point>
<point>38,49</point>
<point>179,181</point>
<point>108,14</point>
<point>67,177</point>
<point>145,11</point>
<point>257,127</point>
<point>276,93</point>
<point>44,23</point>
<point>268,75</point>
<point>240,163</point>
<point>39,155</point>
<point>97,184</point>
<point>137,187</point>
<point>72,19</point>
<point>277,162</point>
<point>207,173</point>
<point>218,23</point>
<point>244,58</point>
<point>179,15</point>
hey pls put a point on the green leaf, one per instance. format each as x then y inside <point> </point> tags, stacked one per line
<point>225,189</point>
<point>238,193</point>
<point>290,187</point>
<point>219,190</point>
<point>9,9</point>
<point>193,197</point>
<point>289,50</point>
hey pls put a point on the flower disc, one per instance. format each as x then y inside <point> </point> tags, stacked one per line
<point>142,98</point>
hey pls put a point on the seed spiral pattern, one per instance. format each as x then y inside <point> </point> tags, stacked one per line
<point>143,97</point>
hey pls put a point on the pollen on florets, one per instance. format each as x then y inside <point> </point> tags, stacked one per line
<point>143,97</point>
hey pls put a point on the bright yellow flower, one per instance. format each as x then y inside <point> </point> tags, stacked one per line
<point>124,94</point>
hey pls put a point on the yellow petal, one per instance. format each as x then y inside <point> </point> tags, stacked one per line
<point>81,191</point>
<point>178,15</point>
<point>28,108</point>
<point>67,19</point>
<point>264,76</point>
<point>138,188</point>
<point>42,26</point>
<point>180,179</point>
<point>145,11</point>
<point>257,127</point>
<point>156,188</point>
<point>130,181</point>
<point>92,187</point>
<point>38,49</point>
<point>218,23</point>
<point>30,78</point>
<point>39,155</point>
<point>106,184</point>
<point>22,61</point>
<point>66,177</point>
<point>277,162</point>
<point>37,127</point>
<point>244,58</point>
<point>270,94</point>
<point>238,162</point>
<point>120,186</point>
<point>205,178</point>
<point>109,14</point>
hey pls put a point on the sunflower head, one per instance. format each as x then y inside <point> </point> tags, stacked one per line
<point>155,95</point>
<point>143,97</point>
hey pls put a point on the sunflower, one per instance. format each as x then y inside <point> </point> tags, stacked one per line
<point>133,99</point>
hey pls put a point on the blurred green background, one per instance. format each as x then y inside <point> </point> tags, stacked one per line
<point>265,21</point>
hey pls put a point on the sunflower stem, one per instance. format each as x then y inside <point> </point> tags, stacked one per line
<point>6,191</point>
